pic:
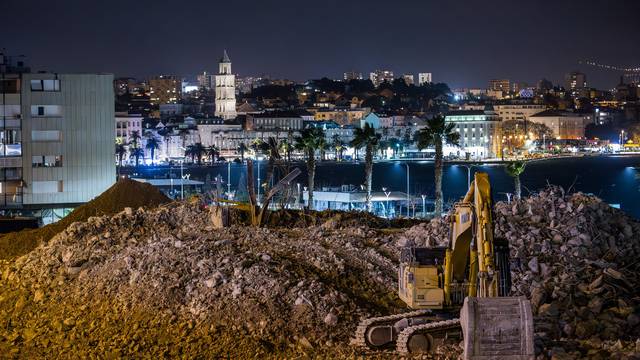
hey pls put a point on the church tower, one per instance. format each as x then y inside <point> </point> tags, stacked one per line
<point>225,90</point>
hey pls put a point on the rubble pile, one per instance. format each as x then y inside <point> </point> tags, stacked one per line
<point>124,193</point>
<point>577,260</point>
<point>164,282</point>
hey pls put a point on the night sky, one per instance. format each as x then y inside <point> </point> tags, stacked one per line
<point>463,42</point>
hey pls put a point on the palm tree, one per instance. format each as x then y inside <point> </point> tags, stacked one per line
<point>135,137</point>
<point>338,146</point>
<point>436,134</point>
<point>195,151</point>
<point>137,153</point>
<point>514,169</point>
<point>241,149</point>
<point>121,150</point>
<point>310,140</point>
<point>368,138</point>
<point>213,152</point>
<point>286,147</point>
<point>272,149</point>
<point>153,144</point>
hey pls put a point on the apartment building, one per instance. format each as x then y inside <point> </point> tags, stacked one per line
<point>57,132</point>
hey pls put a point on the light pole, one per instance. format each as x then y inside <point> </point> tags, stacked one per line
<point>229,177</point>
<point>408,196</point>
<point>424,197</point>
<point>386,193</point>
<point>182,180</point>
<point>468,175</point>
<point>258,162</point>
<point>299,196</point>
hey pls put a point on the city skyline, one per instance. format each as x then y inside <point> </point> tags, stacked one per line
<point>466,45</point>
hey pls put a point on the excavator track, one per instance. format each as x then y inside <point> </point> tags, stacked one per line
<point>360,339</point>
<point>403,338</point>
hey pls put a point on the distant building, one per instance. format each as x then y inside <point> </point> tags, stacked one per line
<point>575,81</point>
<point>424,78</point>
<point>225,90</point>
<point>164,89</point>
<point>126,124</point>
<point>408,79</point>
<point>274,120</point>
<point>503,85</point>
<point>352,75</point>
<point>341,115</point>
<point>372,119</point>
<point>379,76</point>
<point>523,112</point>
<point>564,124</point>
<point>57,133</point>
<point>206,80</point>
<point>479,131</point>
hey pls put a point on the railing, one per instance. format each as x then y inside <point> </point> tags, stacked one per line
<point>10,200</point>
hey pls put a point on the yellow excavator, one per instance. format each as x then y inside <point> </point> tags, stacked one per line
<point>470,277</point>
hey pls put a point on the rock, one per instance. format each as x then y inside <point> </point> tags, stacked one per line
<point>549,309</point>
<point>38,296</point>
<point>128,211</point>
<point>265,257</point>
<point>533,265</point>
<point>595,305</point>
<point>69,322</point>
<point>331,319</point>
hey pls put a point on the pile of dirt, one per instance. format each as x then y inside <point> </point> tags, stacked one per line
<point>164,282</point>
<point>124,193</point>
<point>576,259</point>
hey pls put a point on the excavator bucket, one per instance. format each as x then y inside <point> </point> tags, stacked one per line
<point>497,328</point>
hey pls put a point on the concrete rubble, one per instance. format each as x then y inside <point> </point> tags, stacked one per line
<point>168,282</point>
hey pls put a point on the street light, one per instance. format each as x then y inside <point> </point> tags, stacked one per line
<point>468,175</point>
<point>424,197</point>
<point>408,196</point>
<point>386,193</point>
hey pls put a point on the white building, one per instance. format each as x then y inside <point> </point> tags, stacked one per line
<point>522,112</point>
<point>225,89</point>
<point>564,124</point>
<point>424,78</point>
<point>479,132</point>
<point>408,79</point>
<point>57,132</point>
<point>126,124</point>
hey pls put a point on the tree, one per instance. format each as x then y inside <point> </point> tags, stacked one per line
<point>516,132</point>
<point>514,169</point>
<point>286,146</point>
<point>213,152</point>
<point>121,151</point>
<point>435,134</point>
<point>242,148</point>
<point>135,138</point>
<point>153,144</point>
<point>368,138</point>
<point>272,149</point>
<point>310,140</point>
<point>195,151</point>
<point>137,153</point>
<point>338,145</point>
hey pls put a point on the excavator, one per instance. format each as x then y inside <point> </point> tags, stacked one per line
<point>470,277</point>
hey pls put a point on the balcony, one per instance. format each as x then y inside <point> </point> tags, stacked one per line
<point>10,201</point>
<point>11,162</point>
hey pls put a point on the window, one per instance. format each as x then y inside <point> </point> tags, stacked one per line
<point>9,86</point>
<point>45,135</point>
<point>46,110</point>
<point>45,85</point>
<point>46,187</point>
<point>46,161</point>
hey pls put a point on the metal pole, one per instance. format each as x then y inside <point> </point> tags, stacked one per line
<point>229,178</point>
<point>408,196</point>
<point>468,177</point>
<point>424,214</point>
<point>258,192</point>
<point>181,181</point>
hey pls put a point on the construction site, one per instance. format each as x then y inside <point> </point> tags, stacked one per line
<point>134,275</point>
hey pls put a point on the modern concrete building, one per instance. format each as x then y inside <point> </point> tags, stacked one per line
<point>479,130</point>
<point>57,137</point>
<point>225,89</point>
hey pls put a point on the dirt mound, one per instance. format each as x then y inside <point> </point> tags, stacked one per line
<point>576,259</point>
<point>124,193</point>
<point>163,282</point>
